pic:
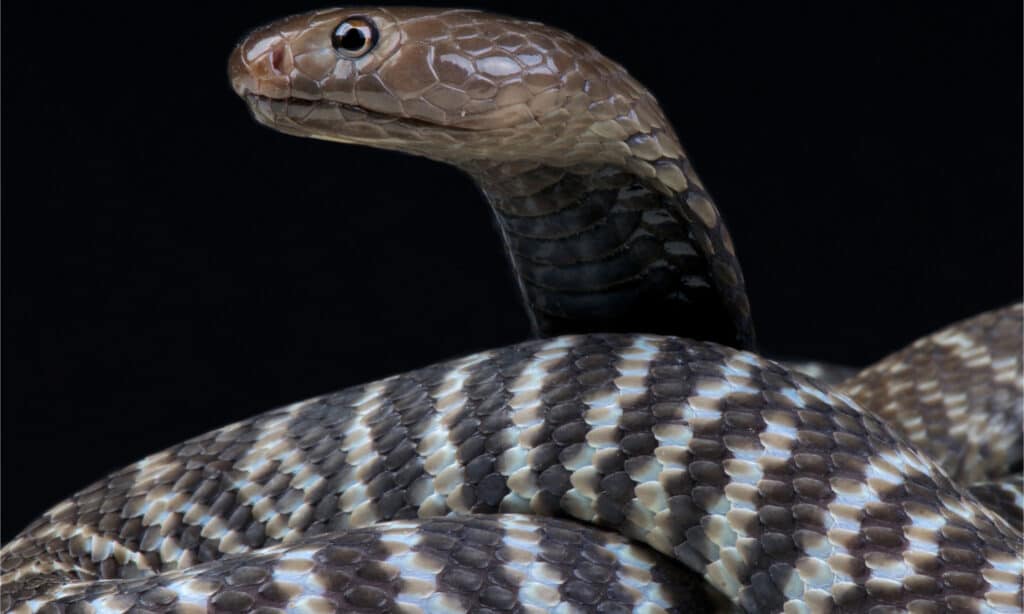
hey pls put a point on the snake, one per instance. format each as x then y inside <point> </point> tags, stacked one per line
<point>638,455</point>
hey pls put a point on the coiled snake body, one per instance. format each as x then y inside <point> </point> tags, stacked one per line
<point>478,484</point>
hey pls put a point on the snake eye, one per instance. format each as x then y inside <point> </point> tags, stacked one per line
<point>354,37</point>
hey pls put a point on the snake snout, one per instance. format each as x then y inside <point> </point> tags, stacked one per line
<point>261,67</point>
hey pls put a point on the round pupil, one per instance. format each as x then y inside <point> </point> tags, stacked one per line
<point>353,39</point>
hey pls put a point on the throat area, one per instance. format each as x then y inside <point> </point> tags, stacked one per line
<point>598,249</point>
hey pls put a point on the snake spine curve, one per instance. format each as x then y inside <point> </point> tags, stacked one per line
<point>595,469</point>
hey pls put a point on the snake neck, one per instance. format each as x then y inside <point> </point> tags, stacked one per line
<point>606,225</point>
<point>633,247</point>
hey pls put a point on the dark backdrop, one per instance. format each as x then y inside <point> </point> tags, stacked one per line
<point>169,266</point>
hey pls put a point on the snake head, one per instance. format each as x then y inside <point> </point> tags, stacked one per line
<point>453,85</point>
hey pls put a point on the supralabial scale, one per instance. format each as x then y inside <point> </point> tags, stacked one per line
<point>636,456</point>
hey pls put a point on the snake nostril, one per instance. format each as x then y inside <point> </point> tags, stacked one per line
<point>278,59</point>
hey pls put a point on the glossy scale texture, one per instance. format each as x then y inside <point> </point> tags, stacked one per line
<point>606,224</point>
<point>782,493</point>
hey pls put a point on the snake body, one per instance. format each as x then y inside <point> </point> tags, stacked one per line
<point>489,482</point>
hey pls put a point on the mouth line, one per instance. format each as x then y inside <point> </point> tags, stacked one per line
<point>253,99</point>
<point>290,101</point>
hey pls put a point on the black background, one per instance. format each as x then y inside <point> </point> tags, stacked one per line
<point>169,266</point>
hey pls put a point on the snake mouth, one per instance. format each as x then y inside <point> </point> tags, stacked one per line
<point>334,120</point>
<point>271,100</point>
<point>299,109</point>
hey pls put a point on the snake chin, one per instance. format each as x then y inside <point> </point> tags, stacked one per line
<point>297,110</point>
<point>345,123</point>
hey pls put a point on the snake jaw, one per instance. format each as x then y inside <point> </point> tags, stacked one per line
<point>324,120</point>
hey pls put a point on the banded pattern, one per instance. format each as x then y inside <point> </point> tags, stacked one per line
<point>827,373</point>
<point>1005,496</point>
<point>782,494</point>
<point>957,395</point>
<point>468,563</point>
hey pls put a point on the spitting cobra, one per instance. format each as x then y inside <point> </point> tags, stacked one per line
<point>637,456</point>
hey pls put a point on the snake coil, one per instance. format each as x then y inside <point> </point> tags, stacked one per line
<point>596,468</point>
